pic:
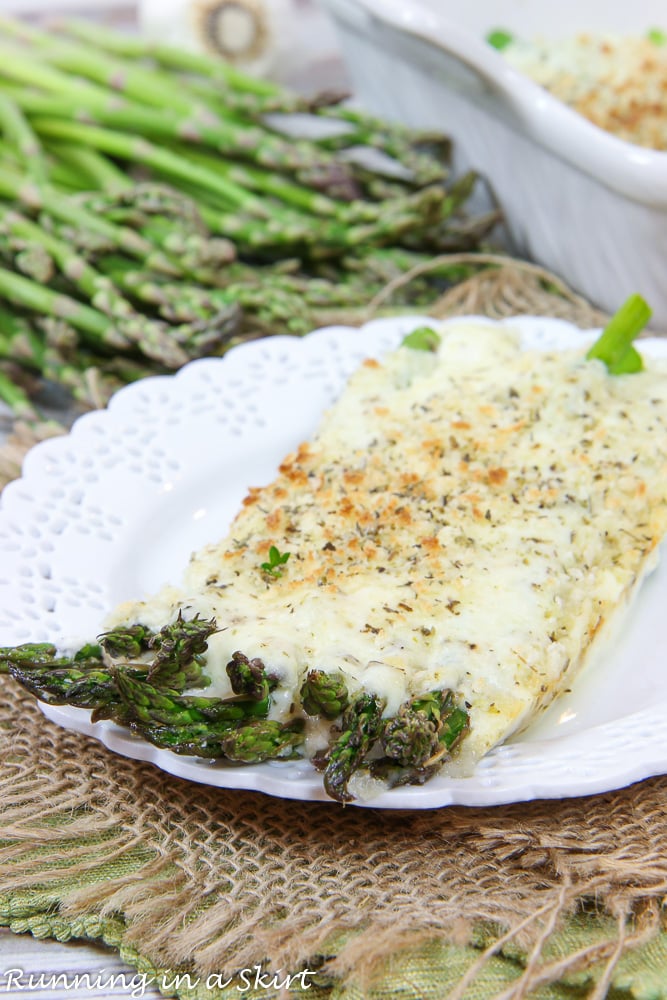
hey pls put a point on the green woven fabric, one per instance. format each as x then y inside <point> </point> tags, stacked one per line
<point>430,972</point>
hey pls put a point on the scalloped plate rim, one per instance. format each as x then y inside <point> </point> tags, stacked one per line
<point>305,783</point>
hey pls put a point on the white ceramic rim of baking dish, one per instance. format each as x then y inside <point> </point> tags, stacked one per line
<point>634,171</point>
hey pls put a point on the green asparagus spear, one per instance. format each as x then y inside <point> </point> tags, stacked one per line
<point>69,685</point>
<point>99,172</point>
<point>361,727</point>
<point>197,739</point>
<point>35,197</point>
<point>249,677</point>
<point>263,739</point>
<point>31,653</point>
<point>420,737</point>
<point>424,338</point>
<point>98,289</point>
<point>17,132</point>
<point>141,150</point>
<point>154,340</point>
<point>499,39</point>
<point>149,705</point>
<point>180,646</point>
<point>413,736</point>
<point>324,694</point>
<point>172,57</point>
<point>126,642</point>
<point>614,345</point>
<point>82,680</point>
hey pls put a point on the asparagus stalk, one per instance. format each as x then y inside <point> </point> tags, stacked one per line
<point>131,79</point>
<point>242,740</point>
<point>99,290</point>
<point>33,653</point>
<point>265,182</point>
<point>420,737</point>
<point>18,133</point>
<point>148,705</point>
<point>177,303</point>
<point>43,197</point>
<point>67,685</point>
<point>82,680</point>
<point>361,727</point>
<point>197,739</point>
<point>423,729</point>
<point>30,295</point>
<point>49,348</point>
<point>129,147</point>
<point>37,351</point>
<point>100,329</point>
<point>263,739</point>
<point>196,63</point>
<point>66,177</point>
<point>266,97</point>
<point>614,345</point>
<point>95,168</point>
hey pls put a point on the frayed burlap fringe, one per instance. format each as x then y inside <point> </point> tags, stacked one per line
<point>505,287</point>
<point>215,881</point>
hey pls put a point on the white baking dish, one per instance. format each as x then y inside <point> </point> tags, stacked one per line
<point>591,207</point>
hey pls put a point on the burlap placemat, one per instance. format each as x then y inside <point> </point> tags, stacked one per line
<point>209,882</point>
<point>547,900</point>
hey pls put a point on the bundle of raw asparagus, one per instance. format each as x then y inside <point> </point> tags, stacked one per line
<point>154,209</point>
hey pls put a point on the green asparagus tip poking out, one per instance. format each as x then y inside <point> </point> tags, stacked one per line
<point>411,736</point>
<point>455,725</point>
<point>499,39</point>
<point>180,646</point>
<point>324,694</point>
<point>362,725</point>
<point>657,36</point>
<point>126,642</point>
<point>420,737</point>
<point>424,338</point>
<point>263,739</point>
<point>614,345</point>
<point>248,678</point>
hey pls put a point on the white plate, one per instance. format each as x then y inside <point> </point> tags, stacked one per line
<point>114,509</point>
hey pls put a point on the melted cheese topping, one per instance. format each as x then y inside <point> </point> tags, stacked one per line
<point>468,520</point>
